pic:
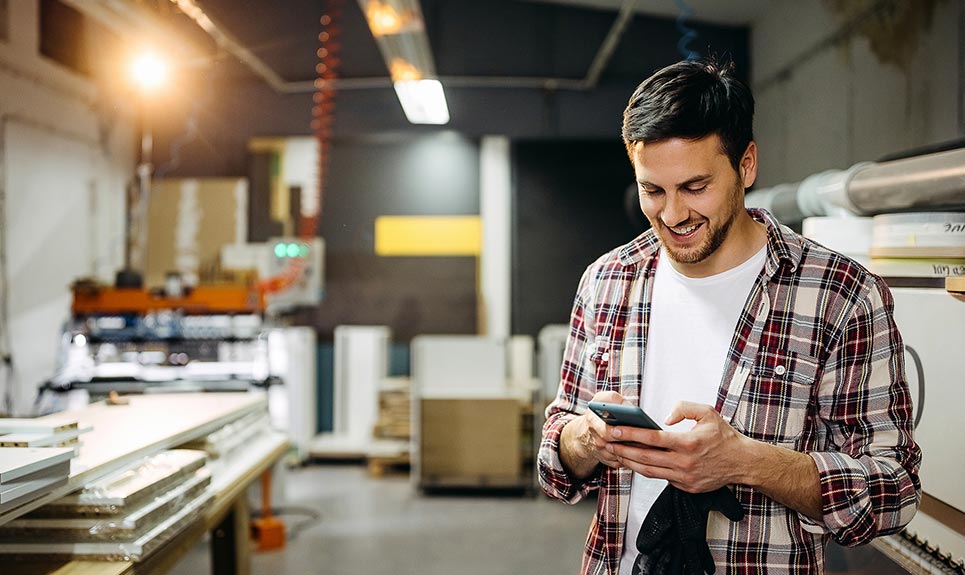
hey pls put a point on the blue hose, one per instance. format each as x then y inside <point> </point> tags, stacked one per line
<point>687,34</point>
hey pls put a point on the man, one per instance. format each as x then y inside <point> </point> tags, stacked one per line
<point>774,362</point>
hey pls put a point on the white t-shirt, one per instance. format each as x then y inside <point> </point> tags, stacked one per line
<point>692,322</point>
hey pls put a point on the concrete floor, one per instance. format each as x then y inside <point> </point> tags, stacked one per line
<point>385,526</point>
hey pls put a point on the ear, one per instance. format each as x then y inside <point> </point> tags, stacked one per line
<point>748,165</point>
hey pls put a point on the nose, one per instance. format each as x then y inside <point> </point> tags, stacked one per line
<point>674,211</point>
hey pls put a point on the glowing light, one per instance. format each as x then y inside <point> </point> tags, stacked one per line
<point>423,101</point>
<point>80,340</point>
<point>403,71</point>
<point>149,70</point>
<point>292,250</point>
<point>383,19</point>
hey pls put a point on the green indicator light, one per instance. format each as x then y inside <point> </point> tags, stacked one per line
<point>280,250</point>
<point>303,250</point>
<point>292,250</point>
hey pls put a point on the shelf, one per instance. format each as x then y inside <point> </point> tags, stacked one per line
<point>148,424</point>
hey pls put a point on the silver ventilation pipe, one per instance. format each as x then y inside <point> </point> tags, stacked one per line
<point>922,183</point>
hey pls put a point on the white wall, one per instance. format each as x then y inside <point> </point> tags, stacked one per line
<point>839,104</point>
<point>495,205</point>
<point>66,157</point>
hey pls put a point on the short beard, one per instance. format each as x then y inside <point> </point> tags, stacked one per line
<point>702,252</point>
<point>717,235</point>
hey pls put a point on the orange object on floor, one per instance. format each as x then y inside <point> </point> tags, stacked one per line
<point>268,531</point>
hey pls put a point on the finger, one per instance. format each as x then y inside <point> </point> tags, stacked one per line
<point>602,432</point>
<point>640,435</point>
<point>608,396</point>
<point>688,410</point>
<point>609,459</point>
<point>652,471</point>
<point>614,463</point>
<point>602,452</point>
<point>643,455</point>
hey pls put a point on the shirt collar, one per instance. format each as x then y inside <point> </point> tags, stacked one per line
<point>783,245</point>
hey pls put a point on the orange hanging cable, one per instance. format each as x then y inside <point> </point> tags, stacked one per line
<point>323,116</point>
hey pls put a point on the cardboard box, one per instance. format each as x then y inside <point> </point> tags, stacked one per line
<point>189,220</point>
<point>470,442</point>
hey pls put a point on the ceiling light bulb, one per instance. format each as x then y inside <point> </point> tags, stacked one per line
<point>383,19</point>
<point>149,70</point>
<point>403,71</point>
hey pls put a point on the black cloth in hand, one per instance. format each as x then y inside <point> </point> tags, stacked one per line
<point>673,537</point>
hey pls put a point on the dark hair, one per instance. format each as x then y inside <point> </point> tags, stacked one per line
<point>692,99</point>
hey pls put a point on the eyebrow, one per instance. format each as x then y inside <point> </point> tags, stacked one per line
<point>684,184</point>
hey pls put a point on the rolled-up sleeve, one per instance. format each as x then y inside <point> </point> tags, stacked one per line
<point>577,386</point>
<point>869,476</point>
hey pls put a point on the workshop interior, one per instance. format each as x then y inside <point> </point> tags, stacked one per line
<point>285,285</point>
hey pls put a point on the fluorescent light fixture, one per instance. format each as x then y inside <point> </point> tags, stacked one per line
<point>423,101</point>
<point>399,31</point>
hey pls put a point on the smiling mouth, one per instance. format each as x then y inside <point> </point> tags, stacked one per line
<point>684,230</point>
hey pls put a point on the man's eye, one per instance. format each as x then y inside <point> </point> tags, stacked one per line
<point>697,189</point>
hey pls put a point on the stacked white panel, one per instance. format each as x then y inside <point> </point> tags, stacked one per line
<point>293,404</point>
<point>361,363</point>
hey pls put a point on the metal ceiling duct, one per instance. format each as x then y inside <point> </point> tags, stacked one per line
<point>929,182</point>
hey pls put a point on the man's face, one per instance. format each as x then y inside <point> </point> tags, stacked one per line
<point>692,196</point>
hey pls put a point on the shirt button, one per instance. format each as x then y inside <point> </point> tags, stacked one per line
<point>606,356</point>
<point>779,370</point>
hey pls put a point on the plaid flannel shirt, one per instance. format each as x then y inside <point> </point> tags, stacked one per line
<point>816,365</point>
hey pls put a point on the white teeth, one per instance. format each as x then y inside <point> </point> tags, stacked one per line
<point>684,231</point>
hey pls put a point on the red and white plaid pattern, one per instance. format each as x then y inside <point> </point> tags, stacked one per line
<point>816,365</point>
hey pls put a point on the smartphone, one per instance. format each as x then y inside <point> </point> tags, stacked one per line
<point>618,414</point>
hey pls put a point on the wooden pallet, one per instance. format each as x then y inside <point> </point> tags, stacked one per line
<point>332,448</point>
<point>477,485</point>
<point>382,465</point>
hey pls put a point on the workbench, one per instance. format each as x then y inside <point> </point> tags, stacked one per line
<point>148,424</point>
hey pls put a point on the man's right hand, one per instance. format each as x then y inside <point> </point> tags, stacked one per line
<point>584,440</point>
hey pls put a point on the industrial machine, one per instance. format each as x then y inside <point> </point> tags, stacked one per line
<point>207,338</point>
<point>930,316</point>
<point>295,262</point>
<point>916,242</point>
<point>129,339</point>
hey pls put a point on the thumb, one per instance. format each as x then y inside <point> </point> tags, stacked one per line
<point>608,396</point>
<point>687,410</point>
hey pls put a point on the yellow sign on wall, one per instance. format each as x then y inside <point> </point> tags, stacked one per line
<point>428,236</point>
